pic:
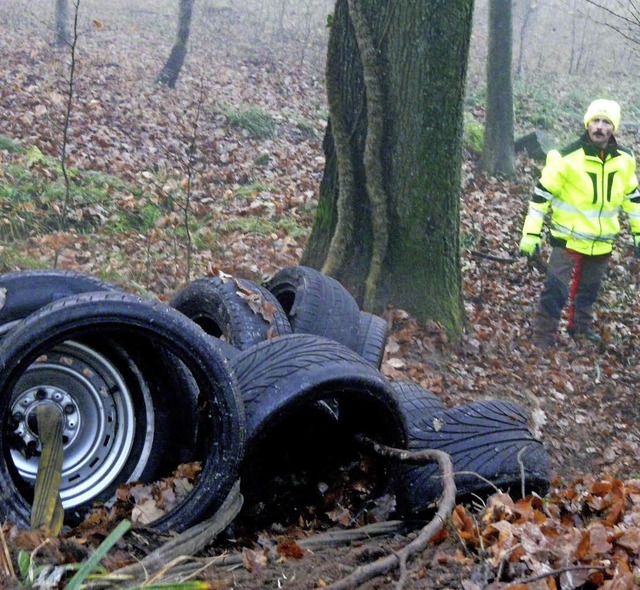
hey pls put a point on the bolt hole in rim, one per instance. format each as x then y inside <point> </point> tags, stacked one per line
<point>99,419</point>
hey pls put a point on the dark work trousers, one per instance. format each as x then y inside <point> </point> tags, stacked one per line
<point>570,276</point>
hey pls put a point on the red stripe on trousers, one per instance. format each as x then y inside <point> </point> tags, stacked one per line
<point>574,284</point>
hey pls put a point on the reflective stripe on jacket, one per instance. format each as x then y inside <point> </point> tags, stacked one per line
<point>585,194</point>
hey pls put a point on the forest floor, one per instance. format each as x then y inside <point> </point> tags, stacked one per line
<point>253,201</point>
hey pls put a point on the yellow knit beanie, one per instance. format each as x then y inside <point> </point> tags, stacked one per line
<point>608,109</point>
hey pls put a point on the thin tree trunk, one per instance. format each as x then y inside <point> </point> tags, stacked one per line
<point>171,70</point>
<point>62,37</point>
<point>528,11</point>
<point>498,153</point>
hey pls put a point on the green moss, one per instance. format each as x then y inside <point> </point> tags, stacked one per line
<point>306,129</point>
<point>11,260</point>
<point>253,188</point>
<point>32,195</point>
<point>262,160</point>
<point>140,220</point>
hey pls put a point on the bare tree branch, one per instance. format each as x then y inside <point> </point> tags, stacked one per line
<point>66,204</point>
<point>629,26</point>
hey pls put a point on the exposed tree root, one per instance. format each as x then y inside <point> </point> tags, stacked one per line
<point>486,256</point>
<point>346,181</point>
<point>399,559</point>
<point>167,562</point>
<point>176,570</point>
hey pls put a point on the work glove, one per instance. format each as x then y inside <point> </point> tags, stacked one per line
<point>530,245</point>
<point>636,243</point>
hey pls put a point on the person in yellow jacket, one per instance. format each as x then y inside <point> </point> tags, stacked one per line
<point>581,192</point>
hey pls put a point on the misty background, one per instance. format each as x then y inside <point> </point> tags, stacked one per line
<point>565,52</point>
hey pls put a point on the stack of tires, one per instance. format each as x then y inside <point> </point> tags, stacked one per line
<point>227,374</point>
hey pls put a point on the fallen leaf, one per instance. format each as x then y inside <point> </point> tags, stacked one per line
<point>290,549</point>
<point>396,363</point>
<point>254,561</point>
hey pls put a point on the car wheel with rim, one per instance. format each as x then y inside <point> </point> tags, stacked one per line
<point>104,410</point>
<point>24,292</point>
<point>83,354</point>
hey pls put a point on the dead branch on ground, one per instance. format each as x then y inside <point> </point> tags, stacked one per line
<point>187,543</point>
<point>168,560</point>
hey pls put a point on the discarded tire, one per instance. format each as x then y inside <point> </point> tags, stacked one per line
<point>227,350</point>
<point>23,292</point>
<point>490,446</point>
<point>418,406</point>
<point>281,376</point>
<point>96,336</point>
<point>371,338</point>
<point>236,310</point>
<point>316,304</point>
<point>143,387</point>
<point>297,446</point>
<point>26,291</point>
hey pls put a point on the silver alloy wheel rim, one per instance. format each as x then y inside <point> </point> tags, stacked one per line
<point>100,420</point>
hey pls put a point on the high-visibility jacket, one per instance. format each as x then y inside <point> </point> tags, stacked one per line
<point>584,189</point>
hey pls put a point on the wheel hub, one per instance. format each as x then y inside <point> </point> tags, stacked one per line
<point>23,412</point>
<point>99,419</point>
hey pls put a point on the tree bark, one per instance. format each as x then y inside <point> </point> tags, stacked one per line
<point>62,37</point>
<point>498,153</point>
<point>390,195</point>
<point>171,70</point>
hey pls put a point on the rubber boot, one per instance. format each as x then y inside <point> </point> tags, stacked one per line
<point>587,334</point>
<point>582,329</point>
<point>545,328</point>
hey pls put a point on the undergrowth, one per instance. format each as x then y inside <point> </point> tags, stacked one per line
<point>556,103</point>
<point>256,122</point>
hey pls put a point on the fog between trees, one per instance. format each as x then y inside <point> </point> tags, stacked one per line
<point>555,37</point>
<point>559,45</point>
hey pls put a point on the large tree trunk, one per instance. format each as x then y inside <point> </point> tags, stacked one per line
<point>171,70</point>
<point>62,23</point>
<point>387,224</point>
<point>498,153</point>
